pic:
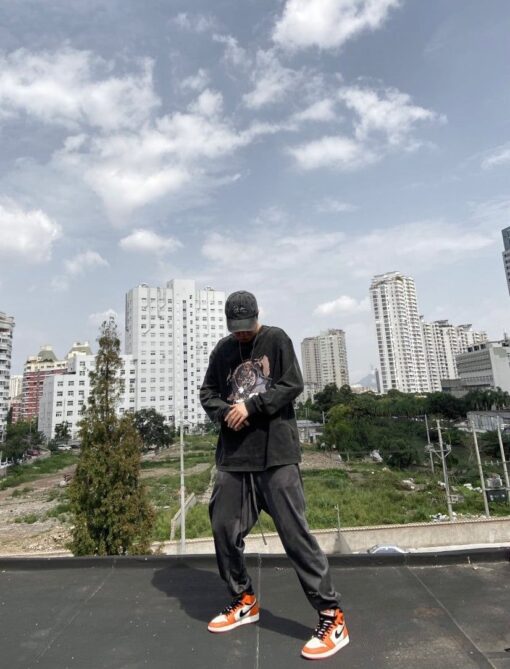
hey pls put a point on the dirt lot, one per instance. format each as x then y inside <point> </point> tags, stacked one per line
<point>29,503</point>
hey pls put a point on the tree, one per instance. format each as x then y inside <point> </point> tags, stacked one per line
<point>327,398</point>
<point>62,433</point>
<point>112,514</point>
<point>445,405</point>
<point>20,437</point>
<point>152,428</point>
<point>403,454</point>
<point>489,443</point>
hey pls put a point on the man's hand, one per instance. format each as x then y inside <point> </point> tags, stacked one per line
<point>236,417</point>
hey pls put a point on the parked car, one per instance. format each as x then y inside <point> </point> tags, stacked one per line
<point>386,549</point>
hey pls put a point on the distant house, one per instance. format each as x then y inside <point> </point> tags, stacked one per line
<point>309,431</point>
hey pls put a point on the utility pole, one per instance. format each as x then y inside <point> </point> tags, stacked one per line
<point>480,469</point>
<point>445,473</point>
<point>338,519</point>
<point>503,460</point>
<point>429,445</point>
<point>183,490</point>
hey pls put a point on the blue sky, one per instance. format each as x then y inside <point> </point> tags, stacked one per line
<point>293,148</point>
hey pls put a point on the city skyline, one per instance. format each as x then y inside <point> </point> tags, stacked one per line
<point>243,148</point>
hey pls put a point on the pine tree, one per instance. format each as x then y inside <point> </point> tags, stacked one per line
<point>112,513</point>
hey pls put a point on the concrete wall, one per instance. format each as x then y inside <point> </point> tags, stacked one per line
<point>359,539</point>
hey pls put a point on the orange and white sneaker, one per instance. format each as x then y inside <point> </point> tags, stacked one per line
<point>329,636</point>
<point>242,611</point>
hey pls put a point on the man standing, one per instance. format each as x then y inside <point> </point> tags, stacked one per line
<point>249,388</point>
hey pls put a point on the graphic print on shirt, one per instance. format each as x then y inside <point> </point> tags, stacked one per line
<point>249,378</point>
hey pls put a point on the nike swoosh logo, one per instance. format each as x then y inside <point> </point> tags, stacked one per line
<point>244,613</point>
<point>338,633</point>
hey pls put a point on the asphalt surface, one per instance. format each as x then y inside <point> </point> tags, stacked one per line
<point>446,610</point>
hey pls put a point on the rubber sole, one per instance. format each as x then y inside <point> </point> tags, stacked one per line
<point>328,653</point>
<point>227,628</point>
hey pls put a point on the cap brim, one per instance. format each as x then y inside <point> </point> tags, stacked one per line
<point>245,325</point>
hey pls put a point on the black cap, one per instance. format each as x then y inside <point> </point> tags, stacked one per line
<point>242,311</point>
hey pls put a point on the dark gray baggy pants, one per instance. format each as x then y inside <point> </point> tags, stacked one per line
<point>279,492</point>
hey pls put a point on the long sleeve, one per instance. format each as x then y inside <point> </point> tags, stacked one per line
<point>284,389</point>
<point>210,397</point>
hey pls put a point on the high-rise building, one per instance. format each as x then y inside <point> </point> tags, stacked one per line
<point>15,385</point>
<point>64,395</point>
<point>399,334</point>
<point>324,360</point>
<point>37,368</point>
<point>443,342</point>
<point>506,254</point>
<point>170,332</point>
<point>16,396</point>
<point>6,334</point>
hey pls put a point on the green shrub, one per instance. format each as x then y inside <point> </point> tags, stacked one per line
<point>29,519</point>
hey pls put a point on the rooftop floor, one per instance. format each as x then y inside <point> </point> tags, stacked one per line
<point>414,611</point>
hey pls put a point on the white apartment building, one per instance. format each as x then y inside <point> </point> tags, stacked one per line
<point>399,334</point>
<point>6,334</point>
<point>443,342</point>
<point>15,385</point>
<point>170,333</point>
<point>65,394</point>
<point>506,254</point>
<point>324,360</point>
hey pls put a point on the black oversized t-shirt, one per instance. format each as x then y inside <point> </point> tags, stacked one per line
<point>265,375</point>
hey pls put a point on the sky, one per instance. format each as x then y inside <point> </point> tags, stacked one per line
<point>293,148</point>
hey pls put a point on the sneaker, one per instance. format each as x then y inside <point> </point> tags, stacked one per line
<point>243,610</point>
<point>329,636</point>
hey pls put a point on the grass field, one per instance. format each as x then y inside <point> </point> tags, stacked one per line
<point>32,471</point>
<point>365,495</point>
<point>359,494</point>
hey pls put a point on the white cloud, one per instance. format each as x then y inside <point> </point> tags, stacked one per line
<point>59,284</point>
<point>26,233</point>
<point>489,215</point>
<point>331,205</point>
<point>208,103</point>
<point>173,155</point>
<point>498,157</point>
<point>388,112</point>
<point>99,317</point>
<point>73,88</point>
<point>272,81</point>
<point>334,260</point>
<point>328,23</point>
<point>322,110</point>
<point>281,252</point>
<point>137,157</point>
<point>197,81</point>
<point>343,305</point>
<point>338,152</point>
<point>234,54</point>
<point>197,23</point>
<point>147,241</point>
<point>420,245</point>
<point>383,122</point>
<point>82,262</point>
<point>75,266</point>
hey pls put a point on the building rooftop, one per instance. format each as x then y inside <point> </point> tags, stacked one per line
<point>448,610</point>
